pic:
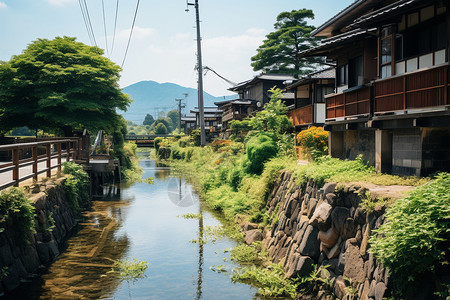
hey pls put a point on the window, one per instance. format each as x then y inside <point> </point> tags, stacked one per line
<point>356,71</point>
<point>322,91</point>
<point>386,52</point>
<point>342,73</point>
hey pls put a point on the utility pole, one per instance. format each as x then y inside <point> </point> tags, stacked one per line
<point>200,75</point>
<point>180,106</point>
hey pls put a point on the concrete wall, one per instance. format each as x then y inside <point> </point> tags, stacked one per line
<point>358,142</point>
<point>407,151</point>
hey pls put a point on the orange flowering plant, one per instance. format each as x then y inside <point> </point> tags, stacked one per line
<point>313,141</point>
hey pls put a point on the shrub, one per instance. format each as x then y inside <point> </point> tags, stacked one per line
<point>15,205</point>
<point>260,148</point>
<point>76,185</point>
<point>160,128</point>
<point>157,141</point>
<point>415,238</point>
<point>195,136</point>
<point>314,141</point>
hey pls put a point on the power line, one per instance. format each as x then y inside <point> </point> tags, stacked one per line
<point>104,27</point>
<point>89,22</point>
<point>115,26</point>
<point>86,22</point>
<point>131,32</point>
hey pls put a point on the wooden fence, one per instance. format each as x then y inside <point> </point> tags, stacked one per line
<point>22,161</point>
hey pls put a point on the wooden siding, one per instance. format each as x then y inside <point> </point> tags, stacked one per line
<point>302,115</point>
<point>421,89</point>
<point>348,104</point>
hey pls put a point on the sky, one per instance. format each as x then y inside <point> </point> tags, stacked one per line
<point>163,46</point>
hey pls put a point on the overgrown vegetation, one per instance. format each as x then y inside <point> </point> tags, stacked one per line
<point>76,185</point>
<point>134,172</point>
<point>313,142</point>
<point>415,239</point>
<point>16,207</point>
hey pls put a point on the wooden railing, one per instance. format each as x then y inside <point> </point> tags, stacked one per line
<point>35,158</point>
<point>348,104</point>
<point>302,115</point>
<point>427,88</point>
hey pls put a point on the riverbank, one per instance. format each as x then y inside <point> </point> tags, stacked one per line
<point>36,223</point>
<point>245,198</point>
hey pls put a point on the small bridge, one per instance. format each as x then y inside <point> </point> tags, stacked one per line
<point>145,140</point>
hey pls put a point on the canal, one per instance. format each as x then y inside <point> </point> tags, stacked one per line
<point>145,223</point>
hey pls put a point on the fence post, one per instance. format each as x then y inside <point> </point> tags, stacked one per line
<point>15,161</point>
<point>35,162</point>
<point>68,151</point>
<point>49,161</point>
<point>58,146</point>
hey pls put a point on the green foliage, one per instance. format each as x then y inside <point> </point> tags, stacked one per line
<point>76,185</point>
<point>3,273</point>
<point>149,120</point>
<point>149,180</point>
<point>173,115</point>
<point>415,238</point>
<point>157,142</point>
<point>22,131</point>
<point>279,51</point>
<point>250,254</point>
<point>270,280</point>
<point>131,270</point>
<point>160,128</point>
<point>259,149</point>
<point>15,206</point>
<point>195,136</point>
<point>61,84</point>
<point>273,117</point>
<point>134,172</point>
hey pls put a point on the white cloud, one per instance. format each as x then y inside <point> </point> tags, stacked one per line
<point>3,5</point>
<point>172,59</point>
<point>60,2</point>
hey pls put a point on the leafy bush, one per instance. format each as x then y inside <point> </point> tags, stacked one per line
<point>195,136</point>
<point>314,141</point>
<point>157,141</point>
<point>15,205</point>
<point>415,238</point>
<point>259,148</point>
<point>270,280</point>
<point>76,185</point>
<point>160,128</point>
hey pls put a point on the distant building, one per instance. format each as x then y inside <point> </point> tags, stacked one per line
<point>236,109</point>
<point>257,88</point>
<point>393,77</point>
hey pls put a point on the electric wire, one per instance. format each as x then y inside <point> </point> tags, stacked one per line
<point>89,22</point>
<point>131,33</point>
<point>86,22</point>
<point>115,26</point>
<point>104,27</point>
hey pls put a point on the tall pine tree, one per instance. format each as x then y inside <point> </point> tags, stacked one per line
<point>279,51</point>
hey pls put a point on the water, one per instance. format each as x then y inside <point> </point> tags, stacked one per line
<point>144,224</point>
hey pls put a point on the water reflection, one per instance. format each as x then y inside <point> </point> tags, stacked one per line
<point>145,225</point>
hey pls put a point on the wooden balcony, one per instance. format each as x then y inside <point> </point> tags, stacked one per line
<point>348,104</point>
<point>302,115</point>
<point>421,89</point>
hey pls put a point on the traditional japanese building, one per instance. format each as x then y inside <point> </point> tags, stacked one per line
<point>308,108</point>
<point>392,84</point>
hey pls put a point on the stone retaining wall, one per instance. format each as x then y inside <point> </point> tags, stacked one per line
<point>55,219</point>
<point>323,226</point>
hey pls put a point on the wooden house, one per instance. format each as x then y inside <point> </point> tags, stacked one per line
<point>237,109</point>
<point>392,76</point>
<point>188,122</point>
<point>257,88</point>
<point>308,108</point>
<point>212,118</point>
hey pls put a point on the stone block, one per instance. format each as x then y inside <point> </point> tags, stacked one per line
<point>380,289</point>
<point>354,267</point>
<point>329,237</point>
<point>338,217</point>
<point>310,244</point>
<point>321,217</point>
<point>252,236</point>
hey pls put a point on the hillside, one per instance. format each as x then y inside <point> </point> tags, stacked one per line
<point>150,97</point>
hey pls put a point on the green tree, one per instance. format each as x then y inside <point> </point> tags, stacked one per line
<point>173,115</point>
<point>160,129</point>
<point>279,51</point>
<point>149,120</point>
<point>60,85</point>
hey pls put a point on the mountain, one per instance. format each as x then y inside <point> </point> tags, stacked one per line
<point>151,97</point>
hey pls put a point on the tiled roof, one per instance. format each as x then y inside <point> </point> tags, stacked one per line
<point>279,77</point>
